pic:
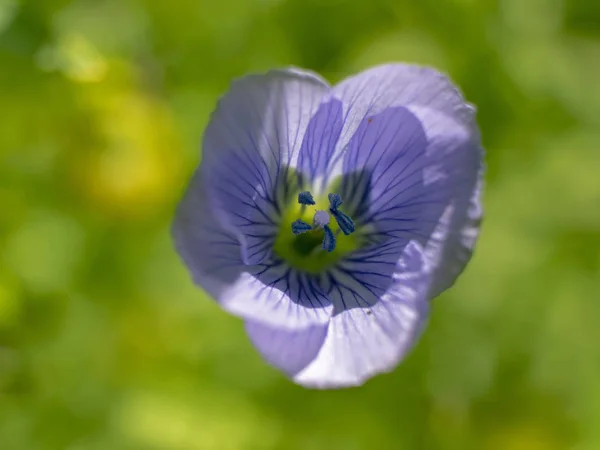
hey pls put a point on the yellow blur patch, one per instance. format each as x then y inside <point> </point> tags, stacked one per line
<point>134,163</point>
<point>76,57</point>
<point>524,437</point>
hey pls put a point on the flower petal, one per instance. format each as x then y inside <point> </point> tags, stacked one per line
<point>448,200</point>
<point>252,140</point>
<point>381,87</point>
<point>319,142</point>
<point>384,182</point>
<point>276,296</point>
<point>212,255</point>
<point>288,350</point>
<point>371,336</point>
<point>458,169</point>
<point>269,295</point>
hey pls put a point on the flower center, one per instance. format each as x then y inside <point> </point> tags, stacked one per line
<point>313,245</point>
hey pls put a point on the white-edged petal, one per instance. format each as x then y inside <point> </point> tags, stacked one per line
<point>363,341</point>
<point>381,87</point>
<point>456,151</point>
<point>278,297</point>
<point>288,350</point>
<point>270,295</point>
<point>251,142</point>
<point>454,154</point>
<point>211,254</point>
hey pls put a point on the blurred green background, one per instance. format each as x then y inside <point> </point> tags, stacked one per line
<point>104,342</point>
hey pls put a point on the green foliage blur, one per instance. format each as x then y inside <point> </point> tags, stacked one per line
<point>105,344</point>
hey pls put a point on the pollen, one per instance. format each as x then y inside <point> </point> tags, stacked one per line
<point>321,219</point>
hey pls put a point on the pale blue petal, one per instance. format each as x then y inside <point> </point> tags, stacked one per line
<point>250,145</point>
<point>277,296</point>
<point>288,350</point>
<point>370,92</point>
<point>450,167</point>
<point>212,255</point>
<point>269,294</point>
<point>384,184</point>
<point>371,330</point>
<point>320,142</point>
<point>457,168</point>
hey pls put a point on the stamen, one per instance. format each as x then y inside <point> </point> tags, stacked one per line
<point>343,220</point>
<point>335,200</point>
<point>345,223</point>
<point>321,220</point>
<point>306,198</point>
<point>328,239</point>
<point>299,227</point>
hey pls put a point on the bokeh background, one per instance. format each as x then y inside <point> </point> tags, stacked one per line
<point>106,345</point>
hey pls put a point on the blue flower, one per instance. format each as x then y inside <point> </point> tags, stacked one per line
<point>328,217</point>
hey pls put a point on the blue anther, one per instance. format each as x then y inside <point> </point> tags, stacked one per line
<point>328,239</point>
<point>321,219</point>
<point>299,227</point>
<point>335,200</point>
<point>306,198</point>
<point>344,221</point>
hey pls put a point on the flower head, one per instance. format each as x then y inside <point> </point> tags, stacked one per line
<point>328,217</point>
